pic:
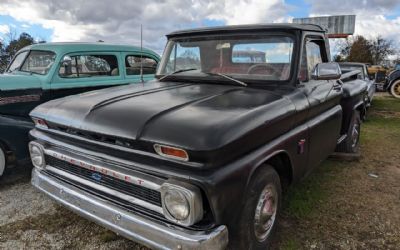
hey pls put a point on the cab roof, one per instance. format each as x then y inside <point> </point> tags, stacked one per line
<point>69,47</point>
<point>253,27</point>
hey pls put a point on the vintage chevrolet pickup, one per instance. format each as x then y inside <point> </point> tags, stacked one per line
<point>47,71</point>
<point>198,158</point>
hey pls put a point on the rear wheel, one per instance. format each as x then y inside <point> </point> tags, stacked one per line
<point>2,161</point>
<point>259,215</point>
<point>395,89</point>
<point>352,142</point>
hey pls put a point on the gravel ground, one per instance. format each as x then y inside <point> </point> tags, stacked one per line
<point>340,206</point>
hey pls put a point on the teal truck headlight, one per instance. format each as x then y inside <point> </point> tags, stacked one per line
<point>37,155</point>
<point>182,203</point>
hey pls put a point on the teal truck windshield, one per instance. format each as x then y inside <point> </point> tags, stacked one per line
<point>38,62</point>
<point>258,58</point>
<point>18,60</point>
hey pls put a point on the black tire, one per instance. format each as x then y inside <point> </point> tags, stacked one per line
<point>395,89</point>
<point>352,142</point>
<point>244,234</point>
<point>3,161</point>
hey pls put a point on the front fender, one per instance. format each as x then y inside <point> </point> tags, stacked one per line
<point>394,76</point>
<point>226,187</point>
<point>14,133</point>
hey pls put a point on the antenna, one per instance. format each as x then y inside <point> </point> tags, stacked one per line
<point>141,54</point>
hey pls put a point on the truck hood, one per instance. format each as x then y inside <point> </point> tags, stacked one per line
<point>15,81</point>
<point>193,116</point>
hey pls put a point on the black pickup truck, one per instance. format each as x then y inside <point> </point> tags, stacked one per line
<point>198,158</point>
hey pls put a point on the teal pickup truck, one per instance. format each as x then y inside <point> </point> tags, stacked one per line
<point>42,72</point>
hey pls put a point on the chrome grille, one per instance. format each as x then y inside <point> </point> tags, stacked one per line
<point>142,193</point>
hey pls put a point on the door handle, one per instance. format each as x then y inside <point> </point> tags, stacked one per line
<point>337,87</point>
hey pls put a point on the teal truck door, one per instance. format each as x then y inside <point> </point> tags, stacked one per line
<point>21,87</point>
<point>81,72</point>
<point>133,63</point>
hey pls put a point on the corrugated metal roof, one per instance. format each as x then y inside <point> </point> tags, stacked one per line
<point>335,25</point>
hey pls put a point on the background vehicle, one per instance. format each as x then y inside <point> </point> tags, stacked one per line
<point>208,147</point>
<point>392,83</point>
<point>43,72</point>
<point>373,69</point>
<point>363,75</point>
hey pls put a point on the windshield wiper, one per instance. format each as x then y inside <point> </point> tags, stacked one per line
<point>228,77</point>
<point>175,72</point>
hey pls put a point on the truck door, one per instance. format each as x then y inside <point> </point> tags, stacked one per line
<point>134,64</point>
<point>324,114</point>
<point>85,71</point>
<point>21,85</point>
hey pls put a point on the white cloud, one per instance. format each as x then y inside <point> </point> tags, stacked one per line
<point>119,20</point>
<point>4,29</point>
<point>371,16</point>
<point>251,11</point>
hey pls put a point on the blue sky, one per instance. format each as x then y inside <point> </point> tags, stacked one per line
<point>37,31</point>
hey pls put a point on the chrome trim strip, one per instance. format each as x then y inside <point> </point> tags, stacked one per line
<point>45,137</point>
<point>106,190</point>
<point>341,139</point>
<point>137,179</point>
<point>153,234</point>
<point>117,147</point>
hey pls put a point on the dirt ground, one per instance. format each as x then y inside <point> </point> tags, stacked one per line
<point>342,205</point>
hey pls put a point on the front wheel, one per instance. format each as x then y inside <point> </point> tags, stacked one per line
<point>352,142</point>
<point>259,215</point>
<point>395,89</point>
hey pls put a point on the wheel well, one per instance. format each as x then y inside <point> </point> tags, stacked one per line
<point>282,165</point>
<point>363,111</point>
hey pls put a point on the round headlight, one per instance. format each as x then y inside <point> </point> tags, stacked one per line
<point>37,156</point>
<point>177,204</point>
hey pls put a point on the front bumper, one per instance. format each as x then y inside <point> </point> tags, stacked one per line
<point>125,223</point>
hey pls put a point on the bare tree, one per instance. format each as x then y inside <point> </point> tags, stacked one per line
<point>380,49</point>
<point>360,49</point>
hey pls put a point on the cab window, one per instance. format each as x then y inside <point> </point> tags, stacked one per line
<point>133,64</point>
<point>312,55</point>
<point>81,66</point>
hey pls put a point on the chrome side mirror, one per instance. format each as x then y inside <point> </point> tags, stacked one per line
<point>327,71</point>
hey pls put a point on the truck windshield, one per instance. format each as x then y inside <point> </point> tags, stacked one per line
<point>266,58</point>
<point>38,62</point>
<point>18,60</point>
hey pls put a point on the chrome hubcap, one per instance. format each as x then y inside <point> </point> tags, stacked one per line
<point>265,214</point>
<point>355,135</point>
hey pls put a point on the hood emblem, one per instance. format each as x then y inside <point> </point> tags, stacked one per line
<point>96,176</point>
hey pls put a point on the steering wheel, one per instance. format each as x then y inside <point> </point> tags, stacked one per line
<point>263,65</point>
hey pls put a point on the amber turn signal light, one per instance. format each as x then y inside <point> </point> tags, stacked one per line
<point>171,152</point>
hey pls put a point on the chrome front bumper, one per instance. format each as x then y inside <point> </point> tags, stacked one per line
<point>125,223</point>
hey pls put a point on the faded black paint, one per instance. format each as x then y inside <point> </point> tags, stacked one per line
<point>228,131</point>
